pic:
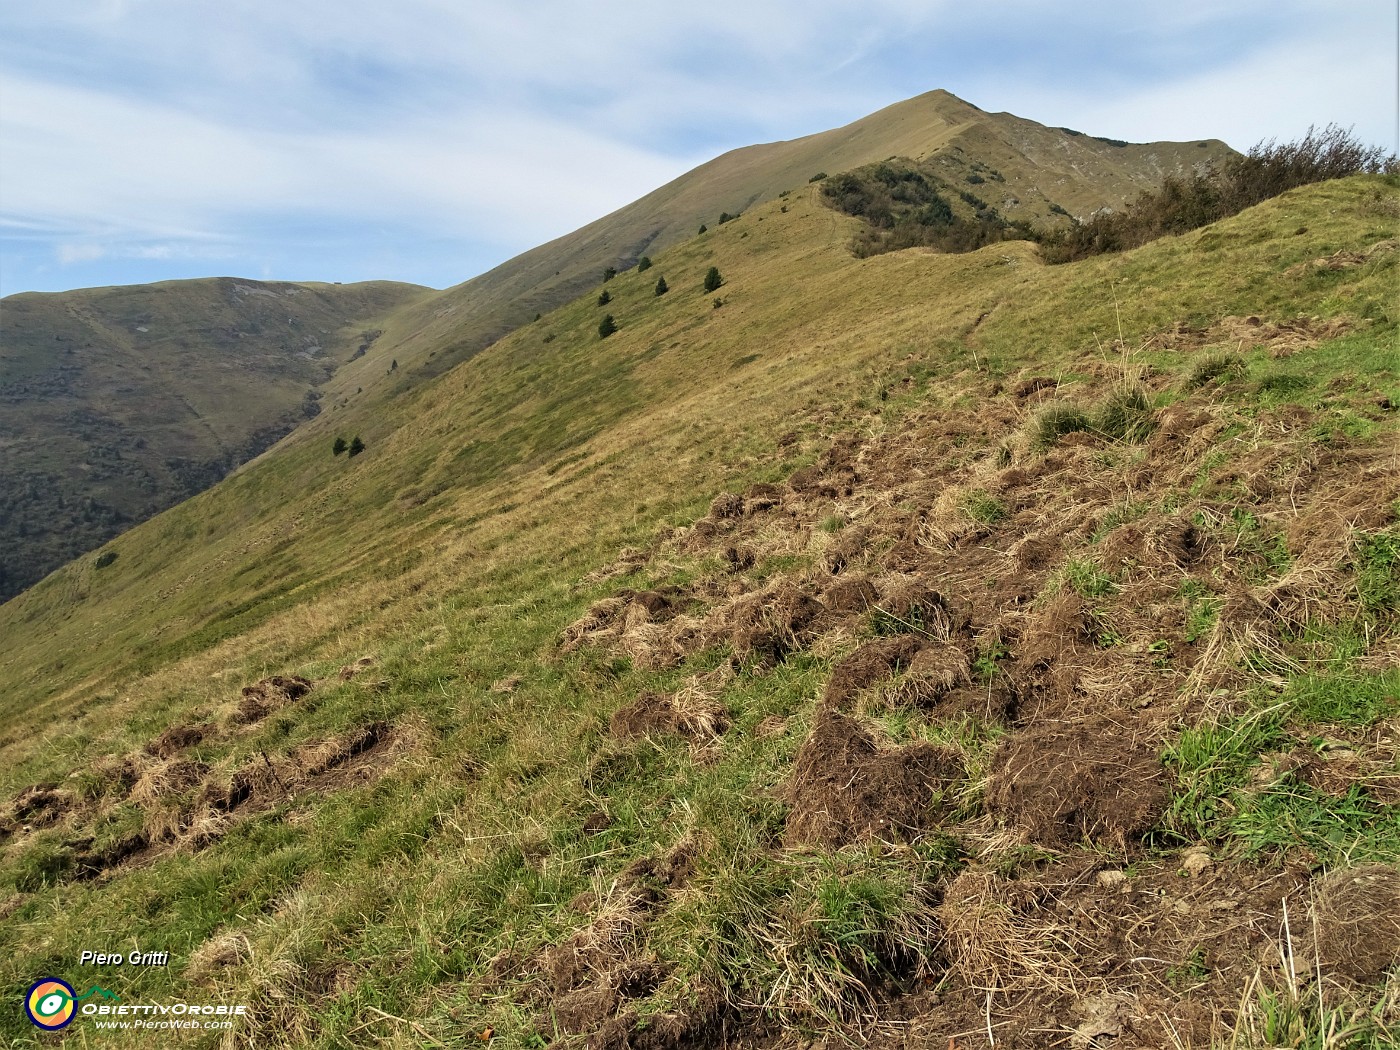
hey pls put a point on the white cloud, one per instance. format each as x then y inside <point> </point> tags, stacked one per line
<point>68,254</point>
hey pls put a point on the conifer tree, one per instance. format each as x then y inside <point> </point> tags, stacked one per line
<point>661,287</point>
<point>607,326</point>
<point>712,279</point>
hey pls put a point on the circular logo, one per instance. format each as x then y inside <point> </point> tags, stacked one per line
<point>51,1003</point>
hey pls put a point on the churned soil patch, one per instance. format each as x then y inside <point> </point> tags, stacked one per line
<point>262,698</point>
<point>176,739</point>
<point>873,661</point>
<point>1097,780</point>
<point>844,787</point>
<point>688,713</point>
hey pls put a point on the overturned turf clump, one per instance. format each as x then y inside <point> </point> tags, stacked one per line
<point>262,698</point>
<point>689,713</point>
<point>1356,922</point>
<point>176,739</point>
<point>844,788</point>
<point>1091,782</point>
<point>870,663</point>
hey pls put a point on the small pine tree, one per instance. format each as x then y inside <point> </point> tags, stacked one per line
<point>724,217</point>
<point>703,228</point>
<point>607,326</point>
<point>605,298</point>
<point>712,279</point>
<point>661,287</point>
<point>609,274</point>
<point>394,365</point>
<point>356,445</point>
<point>644,263</point>
<point>339,446</point>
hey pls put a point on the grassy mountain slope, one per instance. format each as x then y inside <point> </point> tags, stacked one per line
<point>120,402</point>
<point>208,373</point>
<point>587,744</point>
<point>1027,167</point>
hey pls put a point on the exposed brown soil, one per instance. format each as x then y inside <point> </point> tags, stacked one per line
<point>690,715</point>
<point>262,698</point>
<point>1356,922</point>
<point>1097,781</point>
<point>41,805</point>
<point>844,787</point>
<point>871,662</point>
<point>176,739</point>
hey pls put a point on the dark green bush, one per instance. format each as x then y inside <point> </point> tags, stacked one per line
<point>339,446</point>
<point>661,286</point>
<point>644,263</point>
<point>605,298</point>
<point>713,280</point>
<point>356,446</point>
<point>607,326</point>
<point>1187,202</point>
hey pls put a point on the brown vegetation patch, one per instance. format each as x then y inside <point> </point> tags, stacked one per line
<point>1094,780</point>
<point>165,779</point>
<point>771,623</point>
<point>262,698</point>
<point>845,788</point>
<point>176,739</point>
<point>1280,338</point>
<point>689,713</point>
<point>851,595</point>
<point>1356,922</point>
<point>349,671</point>
<point>1035,385</point>
<point>910,601</point>
<point>845,547</point>
<point>933,673</point>
<point>872,662</point>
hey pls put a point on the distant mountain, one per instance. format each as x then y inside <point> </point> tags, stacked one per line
<point>116,403</point>
<point>1024,169</point>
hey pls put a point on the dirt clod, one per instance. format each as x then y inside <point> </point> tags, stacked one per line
<point>264,697</point>
<point>1356,928</point>
<point>1092,781</point>
<point>873,661</point>
<point>845,788</point>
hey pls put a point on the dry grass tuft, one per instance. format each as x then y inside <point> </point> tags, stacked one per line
<point>1001,935</point>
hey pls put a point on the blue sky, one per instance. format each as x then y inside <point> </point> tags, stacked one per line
<point>428,140</point>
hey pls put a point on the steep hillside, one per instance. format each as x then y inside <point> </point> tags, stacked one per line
<point>121,402</point>
<point>1026,170</point>
<point>910,648</point>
